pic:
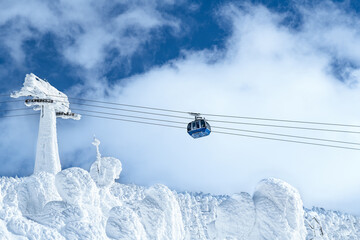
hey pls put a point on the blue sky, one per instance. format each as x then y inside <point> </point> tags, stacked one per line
<point>281,59</point>
<point>198,29</point>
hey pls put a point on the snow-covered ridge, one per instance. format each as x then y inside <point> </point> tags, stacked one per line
<point>77,204</point>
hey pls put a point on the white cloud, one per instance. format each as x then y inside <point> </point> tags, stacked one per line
<point>89,48</point>
<point>87,28</point>
<point>337,31</point>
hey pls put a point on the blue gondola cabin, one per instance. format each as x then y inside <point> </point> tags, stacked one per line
<point>199,128</point>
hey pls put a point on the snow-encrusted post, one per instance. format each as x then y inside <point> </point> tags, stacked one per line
<point>52,103</point>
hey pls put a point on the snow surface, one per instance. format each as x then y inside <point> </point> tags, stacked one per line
<point>77,204</point>
<point>333,225</point>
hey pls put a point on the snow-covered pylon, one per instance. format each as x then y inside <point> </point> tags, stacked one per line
<point>52,103</point>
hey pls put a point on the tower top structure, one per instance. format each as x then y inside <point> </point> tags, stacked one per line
<point>40,89</point>
<point>52,103</point>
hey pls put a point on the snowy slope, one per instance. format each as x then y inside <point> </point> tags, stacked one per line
<point>322,224</point>
<point>77,204</point>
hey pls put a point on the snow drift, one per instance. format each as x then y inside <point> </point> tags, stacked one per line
<point>77,204</point>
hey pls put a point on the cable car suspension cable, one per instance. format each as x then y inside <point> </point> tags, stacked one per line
<point>217,115</point>
<point>285,126</point>
<point>231,122</point>
<point>220,132</point>
<point>286,135</point>
<point>128,110</point>
<point>19,115</point>
<point>225,128</point>
<point>282,120</point>
<point>130,116</point>
<point>11,101</point>
<point>15,109</point>
<point>213,120</point>
<point>228,133</point>
<point>285,140</point>
<point>126,105</point>
<point>134,121</point>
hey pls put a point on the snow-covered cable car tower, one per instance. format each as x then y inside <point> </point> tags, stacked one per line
<point>52,103</point>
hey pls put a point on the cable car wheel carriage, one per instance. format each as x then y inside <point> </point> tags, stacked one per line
<point>199,127</point>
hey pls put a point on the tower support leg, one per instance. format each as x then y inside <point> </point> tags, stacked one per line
<point>47,153</point>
